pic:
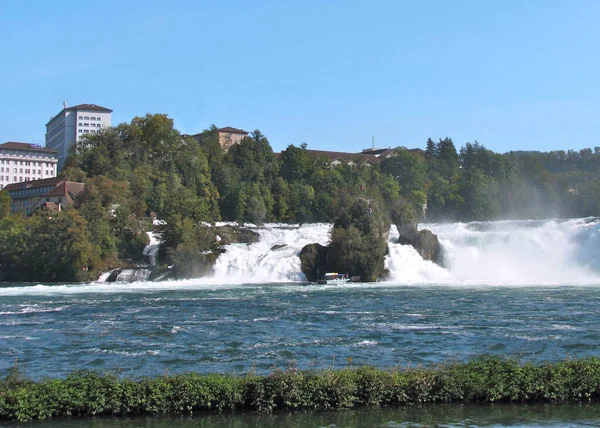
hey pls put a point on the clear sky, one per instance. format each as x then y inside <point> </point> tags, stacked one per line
<point>514,75</point>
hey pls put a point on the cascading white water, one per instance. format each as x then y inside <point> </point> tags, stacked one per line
<point>506,253</point>
<point>494,253</point>
<point>265,261</point>
<point>133,275</point>
<point>151,250</point>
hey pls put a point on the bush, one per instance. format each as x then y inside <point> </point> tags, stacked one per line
<point>483,380</point>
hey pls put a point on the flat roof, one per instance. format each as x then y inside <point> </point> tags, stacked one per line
<point>11,145</point>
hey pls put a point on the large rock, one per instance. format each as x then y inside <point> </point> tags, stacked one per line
<point>425,242</point>
<point>313,261</point>
<point>195,265</point>
<point>358,244</point>
<point>234,234</point>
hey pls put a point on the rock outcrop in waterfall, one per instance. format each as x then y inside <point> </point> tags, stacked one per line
<point>424,241</point>
<point>196,257</point>
<point>313,261</point>
<point>358,245</point>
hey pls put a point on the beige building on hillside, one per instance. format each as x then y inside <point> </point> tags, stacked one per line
<point>229,136</point>
<point>50,193</point>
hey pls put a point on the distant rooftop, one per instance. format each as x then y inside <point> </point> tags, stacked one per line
<point>232,130</point>
<point>86,107</point>
<point>347,157</point>
<point>53,181</point>
<point>90,107</point>
<point>66,189</point>
<point>11,145</point>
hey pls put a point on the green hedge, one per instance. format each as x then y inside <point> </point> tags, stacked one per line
<point>480,381</point>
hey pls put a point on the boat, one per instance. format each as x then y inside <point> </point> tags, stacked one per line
<point>334,278</point>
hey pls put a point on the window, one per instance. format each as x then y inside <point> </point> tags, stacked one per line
<point>97,118</point>
<point>81,131</point>
<point>80,117</point>
<point>92,118</point>
<point>39,172</point>
<point>80,124</point>
<point>86,117</point>
<point>86,131</point>
<point>60,200</point>
<point>21,170</point>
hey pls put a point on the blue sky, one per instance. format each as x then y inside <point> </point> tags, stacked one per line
<point>514,75</point>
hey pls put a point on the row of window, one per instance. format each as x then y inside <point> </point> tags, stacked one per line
<point>88,131</point>
<point>89,118</point>
<point>27,171</point>
<point>27,163</point>
<point>32,191</point>
<point>90,124</point>
<point>6,178</point>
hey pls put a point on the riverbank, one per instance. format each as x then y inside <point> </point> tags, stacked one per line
<point>485,380</point>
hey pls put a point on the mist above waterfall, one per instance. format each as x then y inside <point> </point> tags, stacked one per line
<point>506,253</point>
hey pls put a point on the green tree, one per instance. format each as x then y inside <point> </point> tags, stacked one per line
<point>5,202</point>
<point>359,241</point>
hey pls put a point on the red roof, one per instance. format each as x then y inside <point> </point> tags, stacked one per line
<point>11,145</point>
<point>232,130</point>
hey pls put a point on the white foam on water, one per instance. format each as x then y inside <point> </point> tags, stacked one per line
<point>259,263</point>
<point>113,287</point>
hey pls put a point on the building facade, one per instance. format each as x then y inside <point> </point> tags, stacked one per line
<point>49,193</point>
<point>25,162</point>
<point>229,136</point>
<point>66,128</point>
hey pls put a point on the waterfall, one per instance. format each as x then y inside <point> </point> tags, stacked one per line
<point>151,250</point>
<point>105,275</point>
<point>274,258</point>
<point>492,253</point>
<point>505,253</point>
<point>133,275</point>
<point>495,253</point>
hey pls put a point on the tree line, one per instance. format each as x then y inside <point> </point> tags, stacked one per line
<point>147,167</point>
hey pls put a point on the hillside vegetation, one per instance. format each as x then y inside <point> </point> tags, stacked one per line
<point>147,167</point>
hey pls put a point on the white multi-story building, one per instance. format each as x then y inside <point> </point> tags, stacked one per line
<point>66,128</point>
<point>25,162</point>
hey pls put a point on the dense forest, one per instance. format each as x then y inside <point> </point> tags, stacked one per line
<point>147,168</point>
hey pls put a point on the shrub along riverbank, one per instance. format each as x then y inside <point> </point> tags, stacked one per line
<point>480,381</point>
